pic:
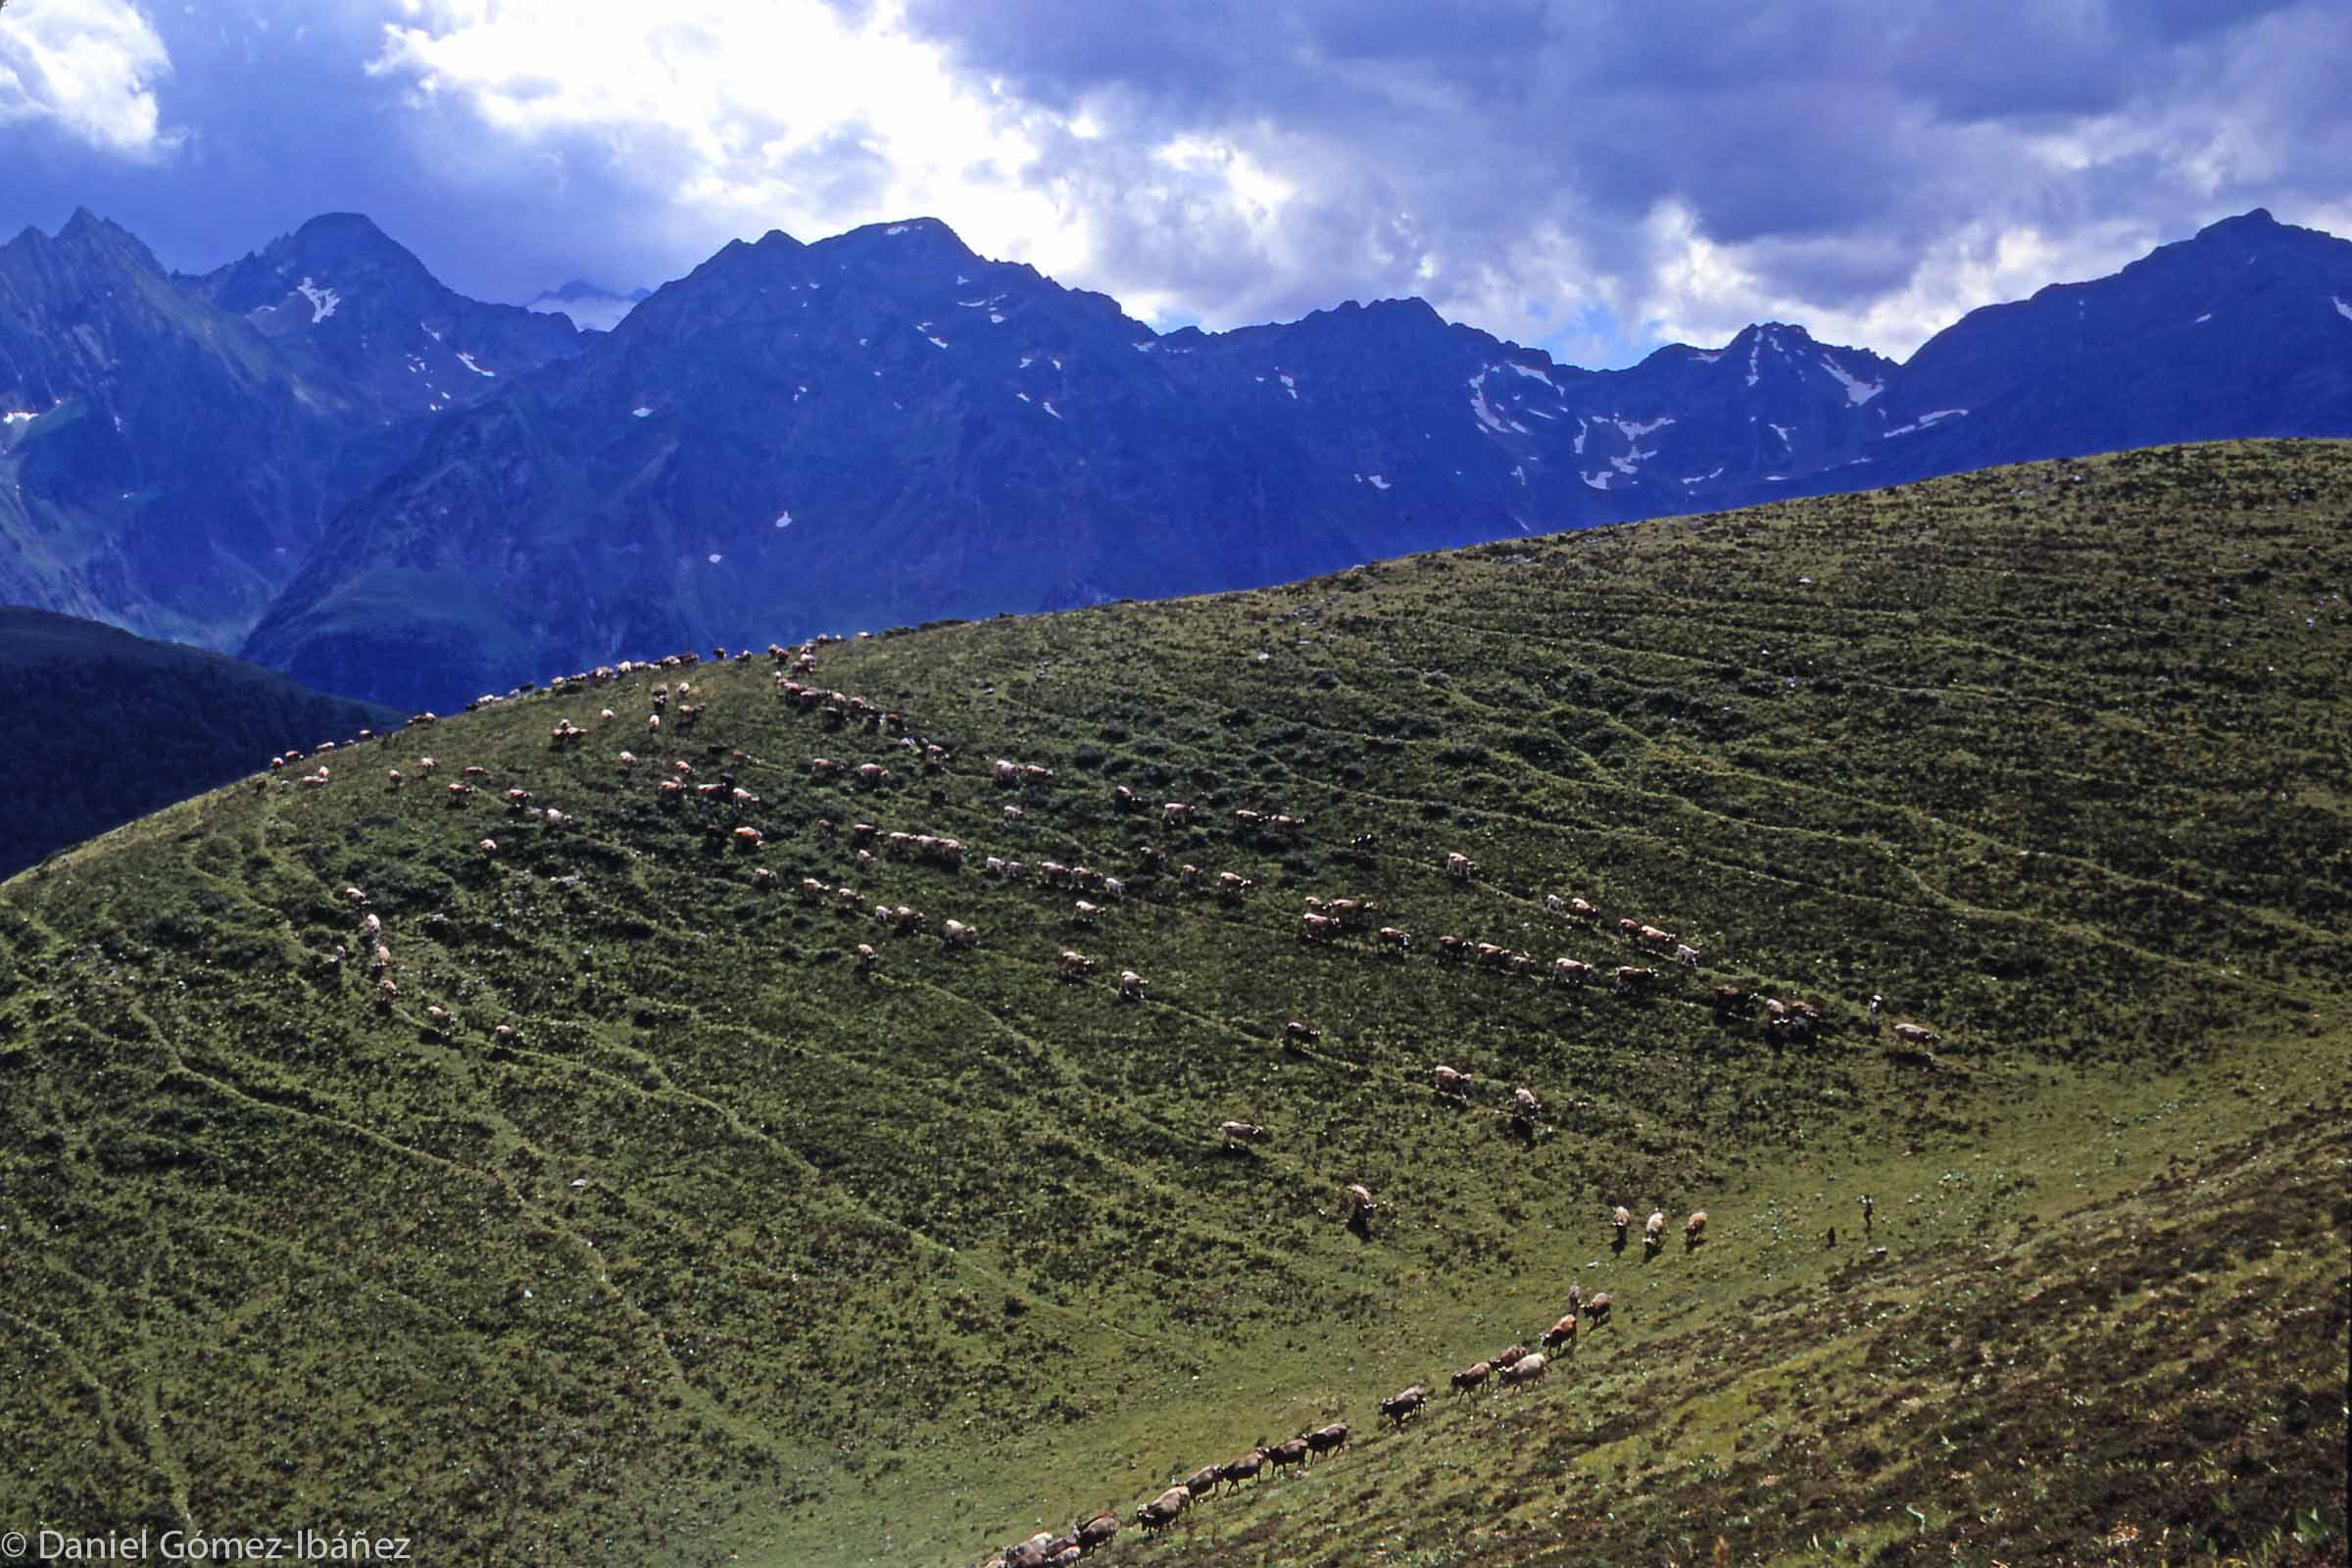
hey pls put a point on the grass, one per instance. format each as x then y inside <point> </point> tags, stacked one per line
<point>735,1251</point>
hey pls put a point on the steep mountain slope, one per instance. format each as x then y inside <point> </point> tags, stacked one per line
<point>644,1223</point>
<point>883,429</point>
<point>169,448</point>
<point>158,464</point>
<point>339,293</point>
<point>104,728</point>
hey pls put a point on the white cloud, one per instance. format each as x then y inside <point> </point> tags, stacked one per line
<point>89,67</point>
<point>732,120</point>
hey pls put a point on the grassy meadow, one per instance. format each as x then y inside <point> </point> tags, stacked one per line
<point>735,1249</point>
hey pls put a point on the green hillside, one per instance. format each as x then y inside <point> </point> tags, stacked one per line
<point>736,1248</point>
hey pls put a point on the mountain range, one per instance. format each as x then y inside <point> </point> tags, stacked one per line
<point>323,456</point>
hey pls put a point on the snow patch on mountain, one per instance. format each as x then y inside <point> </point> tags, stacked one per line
<point>466,359</point>
<point>1636,430</point>
<point>1531,373</point>
<point>1377,481</point>
<point>1925,419</point>
<point>1598,482</point>
<point>641,413</point>
<point>323,300</point>
<point>1857,390</point>
<point>2341,309</point>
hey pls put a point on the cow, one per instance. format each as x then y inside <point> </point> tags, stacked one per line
<point>1582,909</point>
<point>1448,1081</point>
<point>1686,955</point>
<point>1571,972</point>
<point>1095,1532</point>
<point>1459,866</point>
<point>1653,1228</point>
<point>1075,965</point>
<point>1297,1032</point>
<point>1619,1218</point>
<point>1395,937</point>
<point>1524,1105</point>
<point>1916,1034</point>
<point>1597,1310</point>
<point>1472,1376</point>
<point>1450,949</point>
<point>1510,1357</point>
<point>956,934</point>
<point>1283,1455</point>
<point>1162,1511</point>
<point>1233,1472</point>
<point>1527,1369</point>
<point>1694,1229</point>
<point>1085,913</point>
<point>1201,1482</point>
<point>1318,928</point>
<point>1131,986</point>
<point>1174,814</point>
<point>1630,977</point>
<point>1360,1202</point>
<point>1243,1131</point>
<point>868,957</point>
<point>1398,1406</point>
<point>1327,1439</point>
<point>1561,1333</point>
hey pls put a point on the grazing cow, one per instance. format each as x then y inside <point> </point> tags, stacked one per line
<point>1249,818</point>
<point>1190,875</point>
<point>392,778</point>
<point>1571,971</point>
<point>812,889</point>
<point>1395,937</point>
<point>1694,1229</point>
<point>1232,885</point>
<point>1459,866</point>
<point>1561,1333</point>
<point>956,934</point>
<point>868,957</point>
<point>1448,1081</point>
<point>1243,1131</point>
<point>1916,1034</point>
<point>1095,1532</point>
<point>1685,955</point>
<point>1658,938</point>
<point>871,775</point>
<point>1555,904</point>
<point>1472,1376</point>
<point>1620,1217</point>
<point>1398,1406</point>
<point>1233,1472</point>
<point>1122,798</point>
<point>1162,1511</point>
<point>1452,949</point>
<point>1201,1482</point>
<point>747,838</point>
<point>1653,1228</point>
<point>1085,913</point>
<point>1131,986</point>
<point>1524,1105</point>
<point>1327,1439</point>
<point>1582,909</point>
<point>1283,1455</point>
<point>1527,1369</point>
<point>1075,965</point>
<point>1360,1202</point>
<point>1597,1310</point>
<point>1007,772</point>
<point>1318,928</point>
<point>1630,977</point>
<point>1175,812</point>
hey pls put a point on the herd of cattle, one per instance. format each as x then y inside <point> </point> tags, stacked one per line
<point>1323,922</point>
<point>1516,1367</point>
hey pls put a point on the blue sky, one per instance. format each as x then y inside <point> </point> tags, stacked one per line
<point>1592,176</point>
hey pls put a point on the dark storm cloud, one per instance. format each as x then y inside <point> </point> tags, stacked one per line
<point>1602,172</point>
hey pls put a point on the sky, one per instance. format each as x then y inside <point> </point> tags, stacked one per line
<point>1594,177</point>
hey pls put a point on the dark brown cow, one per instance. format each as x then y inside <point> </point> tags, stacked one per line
<point>1472,1376</point>
<point>1398,1406</point>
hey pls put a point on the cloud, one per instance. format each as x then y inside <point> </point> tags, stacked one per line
<point>1579,175</point>
<point>90,69</point>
